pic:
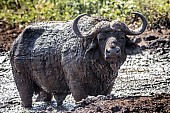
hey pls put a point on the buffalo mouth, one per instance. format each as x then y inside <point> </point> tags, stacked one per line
<point>115,62</point>
<point>112,59</point>
<point>115,65</point>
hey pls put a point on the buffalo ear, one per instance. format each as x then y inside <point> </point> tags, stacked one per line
<point>132,48</point>
<point>92,52</point>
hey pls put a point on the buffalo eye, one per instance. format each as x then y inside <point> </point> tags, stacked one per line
<point>122,37</point>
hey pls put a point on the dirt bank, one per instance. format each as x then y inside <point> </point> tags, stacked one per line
<point>139,104</point>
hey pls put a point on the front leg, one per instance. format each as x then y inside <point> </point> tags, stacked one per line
<point>74,76</point>
<point>77,90</point>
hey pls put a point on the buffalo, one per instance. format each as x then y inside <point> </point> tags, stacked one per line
<point>80,56</point>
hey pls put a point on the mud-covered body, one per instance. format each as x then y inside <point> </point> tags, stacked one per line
<point>51,58</point>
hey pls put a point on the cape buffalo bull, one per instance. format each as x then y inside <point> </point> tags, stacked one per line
<point>81,57</point>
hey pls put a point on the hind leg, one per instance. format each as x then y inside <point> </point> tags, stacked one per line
<point>24,83</point>
<point>60,97</point>
<point>44,96</point>
<point>25,88</point>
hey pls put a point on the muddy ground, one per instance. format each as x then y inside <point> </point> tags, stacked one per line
<point>143,84</point>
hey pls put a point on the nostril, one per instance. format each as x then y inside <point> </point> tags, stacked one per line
<point>113,50</point>
<point>117,50</point>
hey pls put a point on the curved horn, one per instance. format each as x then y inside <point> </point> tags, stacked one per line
<point>103,25</point>
<point>138,31</point>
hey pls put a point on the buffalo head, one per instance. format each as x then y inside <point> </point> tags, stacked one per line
<point>110,39</point>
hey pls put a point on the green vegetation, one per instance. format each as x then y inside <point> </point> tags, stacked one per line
<point>21,12</point>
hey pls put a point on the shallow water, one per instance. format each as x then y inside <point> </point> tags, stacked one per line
<point>140,75</point>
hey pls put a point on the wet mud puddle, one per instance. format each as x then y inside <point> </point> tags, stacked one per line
<point>140,75</point>
<point>143,75</point>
